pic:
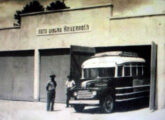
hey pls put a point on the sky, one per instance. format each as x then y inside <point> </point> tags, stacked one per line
<point>121,7</point>
<point>9,7</point>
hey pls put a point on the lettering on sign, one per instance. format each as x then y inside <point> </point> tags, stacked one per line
<point>63,29</point>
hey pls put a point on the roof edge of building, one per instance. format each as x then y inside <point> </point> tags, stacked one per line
<point>136,16</point>
<point>9,28</point>
<point>66,10</point>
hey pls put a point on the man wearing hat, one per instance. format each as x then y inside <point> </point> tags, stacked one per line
<point>70,84</point>
<point>50,88</point>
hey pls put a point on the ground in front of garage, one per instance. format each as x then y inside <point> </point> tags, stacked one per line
<point>19,110</point>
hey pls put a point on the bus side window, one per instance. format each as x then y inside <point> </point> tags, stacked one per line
<point>144,71</point>
<point>86,73</point>
<point>119,74</point>
<point>140,70</point>
<point>133,70</point>
<point>127,70</point>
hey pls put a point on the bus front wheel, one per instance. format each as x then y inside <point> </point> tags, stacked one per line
<point>108,104</point>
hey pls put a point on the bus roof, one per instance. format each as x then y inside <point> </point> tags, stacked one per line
<point>116,53</point>
<point>109,61</point>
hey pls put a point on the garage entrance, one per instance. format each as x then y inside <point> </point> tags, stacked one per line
<point>143,51</point>
<point>63,62</point>
<point>54,61</point>
<point>16,75</point>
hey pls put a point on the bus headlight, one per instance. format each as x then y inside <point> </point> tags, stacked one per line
<point>94,93</point>
<point>75,94</point>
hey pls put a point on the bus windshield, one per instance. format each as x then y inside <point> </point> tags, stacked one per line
<point>92,73</point>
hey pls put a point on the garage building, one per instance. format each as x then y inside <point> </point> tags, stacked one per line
<point>59,41</point>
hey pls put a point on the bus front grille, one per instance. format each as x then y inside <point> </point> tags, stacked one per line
<point>83,94</point>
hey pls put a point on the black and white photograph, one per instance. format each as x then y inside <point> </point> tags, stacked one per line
<point>82,60</point>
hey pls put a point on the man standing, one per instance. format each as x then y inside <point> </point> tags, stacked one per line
<point>70,84</point>
<point>50,88</point>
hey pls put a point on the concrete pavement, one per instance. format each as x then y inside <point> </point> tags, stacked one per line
<point>20,110</point>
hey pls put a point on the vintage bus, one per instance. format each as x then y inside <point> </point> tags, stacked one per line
<point>111,77</point>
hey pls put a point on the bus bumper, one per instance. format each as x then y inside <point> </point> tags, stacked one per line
<point>84,102</point>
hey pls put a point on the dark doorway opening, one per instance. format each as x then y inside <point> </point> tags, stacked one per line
<point>143,51</point>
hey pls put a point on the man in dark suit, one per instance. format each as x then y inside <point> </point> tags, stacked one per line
<point>51,92</point>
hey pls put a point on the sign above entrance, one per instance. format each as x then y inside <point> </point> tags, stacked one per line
<point>63,29</point>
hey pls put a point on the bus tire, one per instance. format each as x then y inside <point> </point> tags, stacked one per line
<point>78,108</point>
<point>108,104</point>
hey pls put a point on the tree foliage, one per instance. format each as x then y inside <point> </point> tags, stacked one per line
<point>56,5</point>
<point>33,6</point>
